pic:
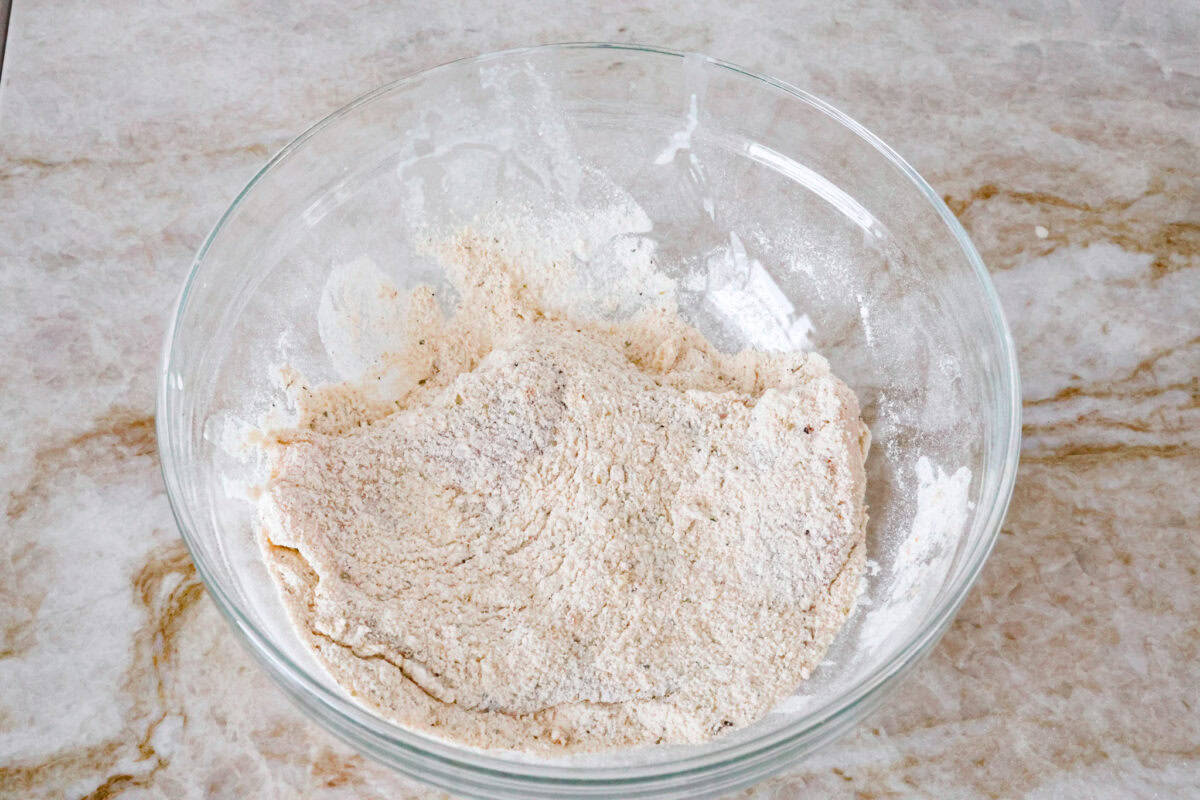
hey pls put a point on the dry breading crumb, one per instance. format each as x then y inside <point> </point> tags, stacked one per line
<point>556,533</point>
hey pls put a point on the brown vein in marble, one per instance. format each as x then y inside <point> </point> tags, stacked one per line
<point>166,587</point>
<point>1092,454</point>
<point>1171,234</point>
<point>1169,415</point>
<point>115,437</point>
<point>1106,390</point>
<point>1156,427</point>
<point>335,770</point>
<point>1111,388</point>
<point>989,190</point>
<point>21,597</point>
<point>330,768</point>
<point>27,164</point>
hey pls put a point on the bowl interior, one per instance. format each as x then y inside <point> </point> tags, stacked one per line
<point>778,224</point>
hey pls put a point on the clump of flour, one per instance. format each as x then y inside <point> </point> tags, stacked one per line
<point>521,525</point>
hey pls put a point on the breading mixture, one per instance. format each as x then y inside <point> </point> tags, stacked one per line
<point>552,532</point>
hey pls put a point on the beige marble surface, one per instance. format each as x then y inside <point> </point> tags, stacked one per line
<point>1066,136</point>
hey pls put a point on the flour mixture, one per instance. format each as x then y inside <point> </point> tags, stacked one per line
<point>532,530</point>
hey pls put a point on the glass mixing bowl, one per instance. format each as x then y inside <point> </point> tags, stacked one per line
<point>780,222</point>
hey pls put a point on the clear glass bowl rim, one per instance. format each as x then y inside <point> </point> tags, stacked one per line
<point>474,765</point>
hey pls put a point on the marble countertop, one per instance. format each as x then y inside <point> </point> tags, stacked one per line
<point>1065,135</point>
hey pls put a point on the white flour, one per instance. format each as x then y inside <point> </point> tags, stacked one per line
<point>531,529</point>
<point>942,508</point>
